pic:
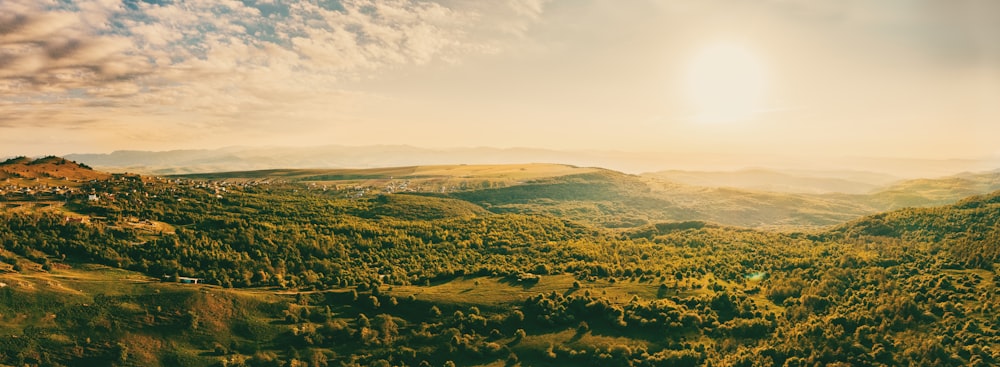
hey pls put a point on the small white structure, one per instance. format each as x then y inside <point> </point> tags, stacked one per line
<point>187,280</point>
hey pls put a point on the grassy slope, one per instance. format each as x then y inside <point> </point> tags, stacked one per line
<point>930,192</point>
<point>500,172</point>
<point>613,199</point>
<point>968,229</point>
<point>414,207</point>
<point>89,313</point>
<point>51,170</point>
<point>154,320</point>
<point>766,180</point>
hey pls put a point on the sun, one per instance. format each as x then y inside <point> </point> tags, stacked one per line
<point>725,82</point>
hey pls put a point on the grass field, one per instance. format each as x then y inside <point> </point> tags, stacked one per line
<point>488,172</point>
<point>488,292</point>
<point>157,323</point>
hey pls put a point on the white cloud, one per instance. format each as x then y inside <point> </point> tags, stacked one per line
<point>51,50</point>
<point>530,8</point>
<point>219,65</point>
<point>202,46</point>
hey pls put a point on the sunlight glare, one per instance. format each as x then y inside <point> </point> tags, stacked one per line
<point>725,82</point>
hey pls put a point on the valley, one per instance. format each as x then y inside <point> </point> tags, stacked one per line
<point>494,265</point>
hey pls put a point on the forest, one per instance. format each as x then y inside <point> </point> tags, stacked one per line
<point>297,273</point>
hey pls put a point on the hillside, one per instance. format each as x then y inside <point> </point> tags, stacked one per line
<point>417,178</point>
<point>603,198</point>
<point>48,168</point>
<point>879,191</point>
<point>338,157</point>
<point>242,158</point>
<point>764,209</point>
<point>412,207</point>
<point>481,265</point>
<point>93,315</point>
<point>617,200</point>
<point>297,273</point>
<point>776,181</point>
<point>597,196</point>
<point>969,230</point>
<point>940,191</point>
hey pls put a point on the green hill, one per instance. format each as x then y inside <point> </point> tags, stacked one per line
<point>930,192</point>
<point>777,181</point>
<point>969,229</point>
<point>50,169</point>
<point>311,273</point>
<point>605,198</point>
<point>420,207</point>
<point>616,200</point>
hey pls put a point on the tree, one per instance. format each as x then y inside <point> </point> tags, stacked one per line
<point>121,353</point>
<point>387,328</point>
<point>363,321</point>
<point>318,359</point>
<point>192,320</point>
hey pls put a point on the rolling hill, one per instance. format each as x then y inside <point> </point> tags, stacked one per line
<point>358,157</point>
<point>614,199</point>
<point>598,196</point>
<point>940,191</point>
<point>336,156</point>
<point>969,229</point>
<point>508,174</point>
<point>297,271</point>
<point>777,181</point>
<point>48,168</point>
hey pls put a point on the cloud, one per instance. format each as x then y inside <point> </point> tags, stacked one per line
<point>959,30</point>
<point>218,60</point>
<point>530,8</point>
<point>49,50</point>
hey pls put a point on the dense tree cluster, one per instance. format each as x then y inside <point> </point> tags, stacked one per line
<point>911,287</point>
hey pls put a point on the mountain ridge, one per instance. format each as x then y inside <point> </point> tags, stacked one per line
<point>781,181</point>
<point>616,199</point>
<point>342,156</point>
<point>967,229</point>
<point>601,196</point>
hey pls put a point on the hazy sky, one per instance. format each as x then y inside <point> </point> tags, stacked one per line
<point>890,78</point>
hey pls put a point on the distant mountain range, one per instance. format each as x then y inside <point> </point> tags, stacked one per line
<point>613,199</point>
<point>335,156</point>
<point>847,182</point>
<point>751,198</point>
<point>858,173</point>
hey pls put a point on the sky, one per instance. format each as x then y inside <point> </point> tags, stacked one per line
<point>734,78</point>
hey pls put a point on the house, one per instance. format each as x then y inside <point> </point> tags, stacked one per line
<point>92,197</point>
<point>183,280</point>
<point>187,280</point>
